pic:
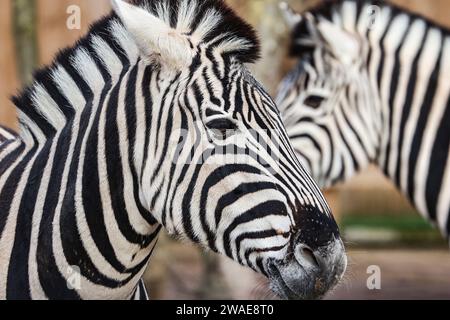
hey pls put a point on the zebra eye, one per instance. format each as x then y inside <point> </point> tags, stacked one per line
<point>222,126</point>
<point>313,101</point>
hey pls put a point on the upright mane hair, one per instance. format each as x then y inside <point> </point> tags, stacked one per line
<point>194,14</point>
<point>217,24</point>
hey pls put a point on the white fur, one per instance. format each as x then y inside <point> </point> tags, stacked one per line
<point>444,199</point>
<point>153,35</point>
<point>435,117</point>
<point>52,113</point>
<point>409,50</point>
<point>6,135</point>
<point>8,234</point>
<point>291,17</point>
<point>209,22</point>
<point>186,14</point>
<point>342,43</point>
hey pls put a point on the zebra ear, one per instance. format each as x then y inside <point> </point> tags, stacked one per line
<point>291,17</point>
<point>345,46</point>
<point>153,36</point>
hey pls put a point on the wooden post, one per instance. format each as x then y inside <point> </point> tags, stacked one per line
<point>24,21</point>
<point>8,76</point>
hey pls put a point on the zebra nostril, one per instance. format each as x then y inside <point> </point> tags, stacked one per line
<point>306,257</point>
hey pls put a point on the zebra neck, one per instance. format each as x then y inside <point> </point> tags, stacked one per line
<point>90,115</point>
<point>409,67</point>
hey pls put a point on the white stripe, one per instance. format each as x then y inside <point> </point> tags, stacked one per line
<point>48,108</point>
<point>443,205</point>
<point>125,41</point>
<point>375,37</point>
<point>88,242</point>
<point>139,224</point>
<point>349,16</point>
<point>9,233</point>
<point>10,149</point>
<point>88,290</point>
<point>391,43</point>
<point>36,291</point>
<point>425,66</point>
<point>408,53</point>
<point>434,120</point>
<point>6,134</point>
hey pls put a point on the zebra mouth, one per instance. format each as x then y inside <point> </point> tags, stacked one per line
<point>303,289</point>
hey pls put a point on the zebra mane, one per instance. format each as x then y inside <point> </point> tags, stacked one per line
<point>326,9</point>
<point>219,24</point>
<point>42,108</point>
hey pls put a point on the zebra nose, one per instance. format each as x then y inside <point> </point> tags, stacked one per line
<point>315,229</point>
<point>306,256</point>
<point>328,262</point>
<point>309,273</point>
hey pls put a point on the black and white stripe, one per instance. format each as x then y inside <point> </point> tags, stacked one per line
<point>152,121</point>
<point>372,85</point>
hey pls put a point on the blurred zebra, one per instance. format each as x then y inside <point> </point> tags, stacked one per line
<point>152,121</point>
<point>372,86</point>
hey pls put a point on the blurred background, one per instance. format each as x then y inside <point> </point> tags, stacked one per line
<point>380,227</point>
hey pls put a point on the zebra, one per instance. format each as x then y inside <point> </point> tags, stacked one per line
<point>152,121</point>
<point>372,86</point>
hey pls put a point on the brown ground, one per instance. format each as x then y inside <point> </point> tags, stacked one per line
<point>405,274</point>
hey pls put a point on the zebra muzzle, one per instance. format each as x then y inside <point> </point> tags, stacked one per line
<point>307,273</point>
<point>315,262</point>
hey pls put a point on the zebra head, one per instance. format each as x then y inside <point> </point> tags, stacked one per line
<point>218,168</point>
<point>327,100</point>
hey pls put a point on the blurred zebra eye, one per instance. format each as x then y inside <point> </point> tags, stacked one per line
<point>223,126</point>
<point>314,101</point>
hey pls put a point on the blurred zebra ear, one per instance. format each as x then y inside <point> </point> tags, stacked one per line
<point>153,36</point>
<point>291,17</point>
<point>344,45</point>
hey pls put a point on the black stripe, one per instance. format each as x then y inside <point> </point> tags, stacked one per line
<point>421,124</point>
<point>392,94</point>
<point>410,91</point>
<point>18,282</point>
<point>131,118</point>
<point>262,210</point>
<point>438,162</point>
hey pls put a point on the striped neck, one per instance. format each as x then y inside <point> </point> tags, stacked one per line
<point>408,62</point>
<point>403,63</point>
<point>91,109</point>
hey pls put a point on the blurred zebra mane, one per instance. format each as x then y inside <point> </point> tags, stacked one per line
<point>327,9</point>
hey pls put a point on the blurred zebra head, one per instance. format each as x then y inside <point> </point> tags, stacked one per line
<point>218,168</point>
<point>327,101</point>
